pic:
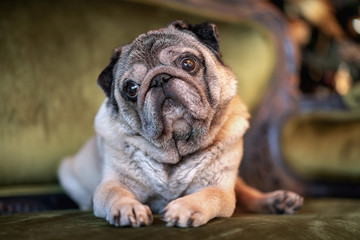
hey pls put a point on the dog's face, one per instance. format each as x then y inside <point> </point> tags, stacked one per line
<point>170,86</point>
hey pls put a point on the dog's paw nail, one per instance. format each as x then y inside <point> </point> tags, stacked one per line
<point>170,223</point>
<point>190,222</point>
<point>290,203</point>
<point>142,221</point>
<point>132,220</point>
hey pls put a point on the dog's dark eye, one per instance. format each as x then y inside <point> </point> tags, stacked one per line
<point>188,64</point>
<point>131,89</point>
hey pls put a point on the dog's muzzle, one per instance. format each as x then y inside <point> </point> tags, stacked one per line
<point>160,80</point>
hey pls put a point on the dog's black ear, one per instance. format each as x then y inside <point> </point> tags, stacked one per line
<point>106,77</point>
<point>205,32</point>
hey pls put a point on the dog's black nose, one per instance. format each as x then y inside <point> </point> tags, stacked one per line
<point>160,79</point>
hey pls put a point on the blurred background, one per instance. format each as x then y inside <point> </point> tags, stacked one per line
<point>297,63</point>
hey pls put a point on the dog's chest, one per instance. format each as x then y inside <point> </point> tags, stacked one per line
<point>168,181</point>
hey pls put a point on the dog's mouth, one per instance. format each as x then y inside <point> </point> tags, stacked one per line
<point>177,120</point>
<point>173,110</point>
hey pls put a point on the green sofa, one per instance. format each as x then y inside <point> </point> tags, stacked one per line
<point>51,55</point>
<point>320,219</point>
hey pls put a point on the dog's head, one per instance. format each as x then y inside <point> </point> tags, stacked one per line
<point>170,85</point>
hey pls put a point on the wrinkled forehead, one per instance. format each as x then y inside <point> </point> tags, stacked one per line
<point>152,44</point>
<point>147,47</point>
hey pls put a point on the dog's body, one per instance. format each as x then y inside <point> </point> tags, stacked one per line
<point>169,136</point>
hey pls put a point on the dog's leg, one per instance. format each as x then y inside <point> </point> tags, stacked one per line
<point>72,186</point>
<point>198,208</point>
<point>278,202</point>
<point>79,175</point>
<point>119,206</point>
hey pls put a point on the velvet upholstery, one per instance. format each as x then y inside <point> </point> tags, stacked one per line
<point>330,219</point>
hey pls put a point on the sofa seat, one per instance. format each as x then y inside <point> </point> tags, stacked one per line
<point>325,218</point>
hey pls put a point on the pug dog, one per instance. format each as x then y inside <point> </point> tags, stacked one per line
<point>169,136</point>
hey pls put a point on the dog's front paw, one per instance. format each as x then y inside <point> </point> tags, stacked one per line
<point>283,202</point>
<point>129,212</point>
<point>184,213</point>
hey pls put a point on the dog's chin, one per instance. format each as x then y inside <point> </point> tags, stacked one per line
<point>177,121</point>
<point>173,123</point>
